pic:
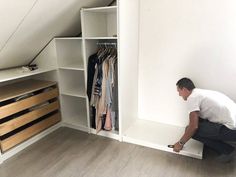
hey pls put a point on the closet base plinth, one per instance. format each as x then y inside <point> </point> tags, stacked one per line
<point>76,127</point>
<point>159,136</point>
<point>109,134</point>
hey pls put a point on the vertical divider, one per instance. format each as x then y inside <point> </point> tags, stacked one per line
<point>85,68</point>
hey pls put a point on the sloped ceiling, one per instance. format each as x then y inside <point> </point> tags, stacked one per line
<point>26,26</point>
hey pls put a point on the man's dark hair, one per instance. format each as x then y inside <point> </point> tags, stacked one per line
<point>185,83</point>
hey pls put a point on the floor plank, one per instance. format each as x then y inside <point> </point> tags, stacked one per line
<point>71,153</point>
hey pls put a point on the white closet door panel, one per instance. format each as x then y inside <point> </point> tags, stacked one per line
<point>128,62</point>
<point>159,136</point>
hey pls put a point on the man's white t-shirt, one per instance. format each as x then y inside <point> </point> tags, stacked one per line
<point>213,106</point>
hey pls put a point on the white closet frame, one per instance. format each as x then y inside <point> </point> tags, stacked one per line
<point>72,83</point>
<point>65,60</point>
<point>47,71</point>
<point>99,24</point>
<point>134,129</point>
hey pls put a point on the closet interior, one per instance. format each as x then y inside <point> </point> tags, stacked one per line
<point>136,125</point>
<point>111,35</point>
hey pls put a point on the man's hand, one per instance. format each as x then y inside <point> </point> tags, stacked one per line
<point>189,131</point>
<point>177,147</point>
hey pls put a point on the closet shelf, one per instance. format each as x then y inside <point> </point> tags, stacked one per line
<point>74,94</point>
<point>73,67</point>
<point>99,38</point>
<point>158,136</point>
<point>107,9</point>
<point>68,38</point>
<point>17,73</point>
<point>23,87</point>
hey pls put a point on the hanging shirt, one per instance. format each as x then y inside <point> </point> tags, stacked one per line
<point>92,61</point>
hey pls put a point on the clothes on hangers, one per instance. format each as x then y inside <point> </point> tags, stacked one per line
<point>92,61</point>
<point>102,68</point>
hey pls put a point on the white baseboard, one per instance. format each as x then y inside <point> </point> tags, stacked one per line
<point>76,127</point>
<point>108,134</point>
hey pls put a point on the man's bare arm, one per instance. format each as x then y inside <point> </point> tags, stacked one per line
<point>189,132</point>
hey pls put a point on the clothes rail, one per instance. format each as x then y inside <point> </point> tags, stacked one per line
<point>106,43</point>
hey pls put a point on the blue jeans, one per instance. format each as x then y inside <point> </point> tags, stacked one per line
<point>214,136</point>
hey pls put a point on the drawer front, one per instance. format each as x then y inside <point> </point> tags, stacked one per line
<point>28,117</point>
<point>18,106</point>
<point>29,132</point>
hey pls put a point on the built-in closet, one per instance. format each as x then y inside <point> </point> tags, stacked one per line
<point>99,27</point>
<point>65,61</point>
<point>112,25</point>
<point>161,42</point>
<point>156,131</point>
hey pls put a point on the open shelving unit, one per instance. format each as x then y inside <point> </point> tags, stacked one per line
<point>72,82</point>
<point>19,73</point>
<point>64,60</point>
<point>69,52</point>
<point>99,22</point>
<point>99,25</point>
<point>74,112</point>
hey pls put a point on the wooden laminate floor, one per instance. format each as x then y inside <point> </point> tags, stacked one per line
<point>71,153</point>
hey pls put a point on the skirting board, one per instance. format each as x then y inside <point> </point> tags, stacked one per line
<point>159,136</point>
<point>108,134</point>
<point>76,127</point>
<point>28,142</point>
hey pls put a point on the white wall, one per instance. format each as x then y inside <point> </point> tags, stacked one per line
<point>26,26</point>
<point>184,38</point>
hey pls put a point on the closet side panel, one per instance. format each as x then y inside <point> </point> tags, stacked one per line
<point>194,39</point>
<point>128,62</point>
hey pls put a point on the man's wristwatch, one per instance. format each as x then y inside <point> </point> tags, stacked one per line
<point>181,143</point>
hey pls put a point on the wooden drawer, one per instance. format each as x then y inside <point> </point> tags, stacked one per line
<point>27,118</point>
<point>24,118</point>
<point>27,103</point>
<point>29,132</point>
